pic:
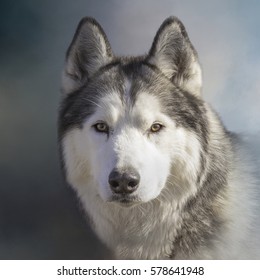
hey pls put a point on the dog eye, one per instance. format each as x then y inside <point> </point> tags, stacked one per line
<point>101,127</point>
<point>156,127</point>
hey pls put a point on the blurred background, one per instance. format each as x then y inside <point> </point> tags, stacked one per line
<point>39,214</point>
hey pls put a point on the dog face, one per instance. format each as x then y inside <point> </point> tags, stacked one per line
<point>128,124</point>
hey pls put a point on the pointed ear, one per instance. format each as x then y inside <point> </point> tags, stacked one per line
<point>88,51</point>
<point>173,53</point>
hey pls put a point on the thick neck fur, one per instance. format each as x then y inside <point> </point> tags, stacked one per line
<point>204,210</point>
<point>165,227</point>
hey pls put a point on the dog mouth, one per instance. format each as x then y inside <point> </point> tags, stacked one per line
<point>125,200</point>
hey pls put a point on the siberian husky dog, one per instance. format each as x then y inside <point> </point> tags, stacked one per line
<point>154,168</point>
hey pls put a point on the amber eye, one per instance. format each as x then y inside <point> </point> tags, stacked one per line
<point>101,127</point>
<point>156,127</point>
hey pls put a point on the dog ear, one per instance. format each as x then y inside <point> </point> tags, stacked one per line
<point>88,51</point>
<point>173,53</point>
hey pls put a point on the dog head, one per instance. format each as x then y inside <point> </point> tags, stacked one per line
<point>130,127</point>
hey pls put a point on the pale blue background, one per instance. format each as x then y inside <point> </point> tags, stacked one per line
<point>38,213</point>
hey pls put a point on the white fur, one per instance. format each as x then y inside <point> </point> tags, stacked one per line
<point>90,157</point>
<point>168,162</point>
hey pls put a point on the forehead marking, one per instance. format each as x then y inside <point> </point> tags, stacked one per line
<point>127,92</point>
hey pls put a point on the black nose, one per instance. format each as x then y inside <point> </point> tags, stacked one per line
<point>124,182</point>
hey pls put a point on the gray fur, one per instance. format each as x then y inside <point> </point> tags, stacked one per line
<point>201,211</point>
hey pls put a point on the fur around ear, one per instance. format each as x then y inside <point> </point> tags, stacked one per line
<point>88,51</point>
<point>173,53</point>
